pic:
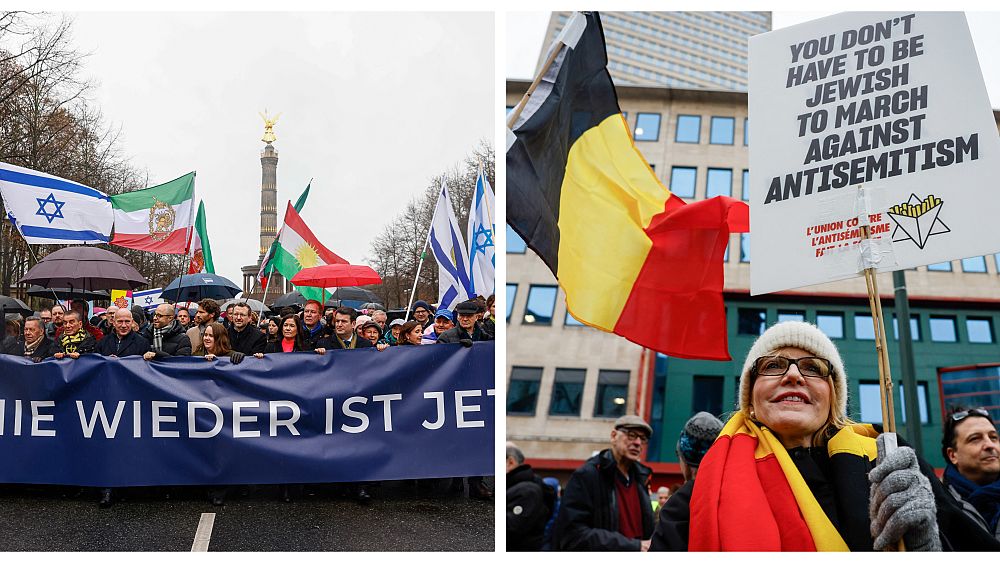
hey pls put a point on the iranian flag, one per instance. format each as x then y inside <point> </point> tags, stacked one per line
<point>156,219</point>
<point>201,250</point>
<point>298,248</point>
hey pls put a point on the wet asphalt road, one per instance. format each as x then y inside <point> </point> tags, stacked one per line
<point>403,516</point>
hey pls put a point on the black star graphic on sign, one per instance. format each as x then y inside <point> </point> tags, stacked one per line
<point>42,202</point>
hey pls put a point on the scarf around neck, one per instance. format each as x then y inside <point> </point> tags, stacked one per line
<point>985,498</point>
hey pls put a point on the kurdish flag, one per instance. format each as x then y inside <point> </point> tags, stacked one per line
<point>200,252</point>
<point>296,248</point>
<point>156,219</point>
<point>633,258</point>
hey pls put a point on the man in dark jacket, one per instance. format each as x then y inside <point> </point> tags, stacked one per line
<point>605,506</point>
<point>123,341</point>
<point>528,505</point>
<point>971,448</point>
<point>243,337</point>
<point>467,329</point>
<point>165,335</point>
<point>35,345</point>
<point>74,340</point>
<point>344,337</point>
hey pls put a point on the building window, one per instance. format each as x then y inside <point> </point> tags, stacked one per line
<point>688,129</point>
<point>725,256</point>
<point>746,132</point>
<point>647,127</point>
<point>996,258</point>
<point>939,267</point>
<point>722,131</point>
<point>975,265</point>
<point>511,294</point>
<point>522,393</point>
<point>720,182</point>
<point>682,180</point>
<point>943,329</point>
<point>570,320</point>
<point>514,243</point>
<point>864,329</point>
<point>612,393</point>
<point>970,388</point>
<point>744,247</point>
<point>870,400</point>
<point>832,324</point>
<point>746,185</point>
<point>567,392</point>
<point>751,321</point>
<point>914,327</point>
<point>791,316</point>
<point>541,302</point>
<point>980,330</point>
<point>706,394</point>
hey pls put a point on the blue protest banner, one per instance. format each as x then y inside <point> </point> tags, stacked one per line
<point>350,415</point>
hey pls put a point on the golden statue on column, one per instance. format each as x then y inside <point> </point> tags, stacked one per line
<point>269,127</point>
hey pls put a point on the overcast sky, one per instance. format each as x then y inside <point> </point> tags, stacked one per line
<point>526,32</point>
<point>372,106</point>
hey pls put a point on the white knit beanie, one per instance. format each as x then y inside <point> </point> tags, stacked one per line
<point>798,335</point>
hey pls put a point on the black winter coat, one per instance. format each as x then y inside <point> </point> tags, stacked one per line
<point>175,341</point>
<point>455,334</point>
<point>333,343</point>
<point>45,349</point>
<point>248,341</point>
<point>132,345</point>
<point>588,513</point>
<point>527,512</point>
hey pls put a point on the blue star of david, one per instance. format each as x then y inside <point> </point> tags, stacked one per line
<point>487,239</point>
<point>149,300</point>
<point>42,202</point>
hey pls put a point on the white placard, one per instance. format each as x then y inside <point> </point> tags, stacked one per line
<point>883,115</point>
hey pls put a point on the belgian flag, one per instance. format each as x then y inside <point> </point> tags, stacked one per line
<point>633,258</point>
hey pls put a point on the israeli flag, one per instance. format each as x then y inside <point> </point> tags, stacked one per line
<point>148,299</point>
<point>47,209</point>
<point>449,251</point>
<point>482,259</point>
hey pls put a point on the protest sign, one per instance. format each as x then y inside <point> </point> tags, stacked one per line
<point>891,102</point>
<point>349,415</point>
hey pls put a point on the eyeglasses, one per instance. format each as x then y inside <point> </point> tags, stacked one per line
<point>632,435</point>
<point>962,415</point>
<point>775,366</point>
<point>160,316</point>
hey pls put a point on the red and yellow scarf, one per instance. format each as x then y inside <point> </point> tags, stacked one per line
<point>749,496</point>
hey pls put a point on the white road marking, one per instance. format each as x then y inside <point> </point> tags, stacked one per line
<point>204,533</point>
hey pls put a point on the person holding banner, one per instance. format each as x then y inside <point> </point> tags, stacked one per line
<point>123,341</point>
<point>165,335</point>
<point>293,338</point>
<point>801,475</point>
<point>242,332</point>
<point>74,340</point>
<point>344,336</point>
<point>410,333</point>
<point>215,344</point>
<point>36,346</point>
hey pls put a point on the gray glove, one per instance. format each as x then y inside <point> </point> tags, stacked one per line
<point>902,503</point>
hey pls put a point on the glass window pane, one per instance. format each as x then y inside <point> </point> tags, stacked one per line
<point>870,401</point>
<point>943,329</point>
<point>791,316</point>
<point>863,327</point>
<point>570,320</point>
<point>514,243</point>
<point>914,327</point>
<point>647,127</point>
<point>567,391</point>
<point>751,321</point>
<point>921,402</point>
<point>725,257</point>
<point>744,247</point>
<point>746,131</point>
<point>682,180</point>
<point>522,393</point>
<point>939,267</point>
<point>722,130</point>
<point>832,324</point>
<point>612,393</point>
<point>511,294</point>
<point>746,185</point>
<point>707,394</point>
<point>976,264</point>
<point>688,129</point>
<point>720,182</point>
<point>996,258</point>
<point>980,330</point>
<point>541,302</point>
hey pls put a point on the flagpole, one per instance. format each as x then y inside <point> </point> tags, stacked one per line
<point>423,253</point>
<point>557,48</point>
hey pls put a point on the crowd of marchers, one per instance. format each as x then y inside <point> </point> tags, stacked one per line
<point>238,334</point>
<point>788,471</point>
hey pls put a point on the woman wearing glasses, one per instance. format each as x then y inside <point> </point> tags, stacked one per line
<point>791,472</point>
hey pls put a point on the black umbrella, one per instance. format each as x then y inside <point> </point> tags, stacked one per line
<point>355,294</point>
<point>84,268</point>
<point>195,287</point>
<point>290,299</point>
<point>12,305</point>
<point>66,293</point>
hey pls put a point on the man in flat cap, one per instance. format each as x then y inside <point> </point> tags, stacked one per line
<point>605,506</point>
<point>467,329</point>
